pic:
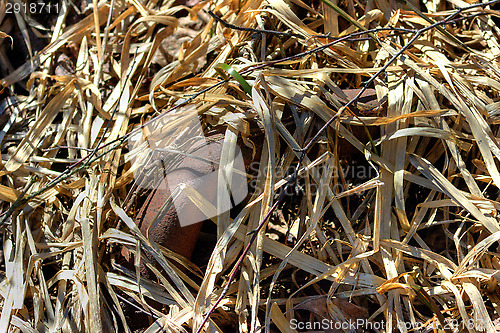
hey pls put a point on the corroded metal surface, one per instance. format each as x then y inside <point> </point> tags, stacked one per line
<point>168,231</point>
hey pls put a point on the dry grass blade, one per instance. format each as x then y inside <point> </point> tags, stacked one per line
<point>447,187</point>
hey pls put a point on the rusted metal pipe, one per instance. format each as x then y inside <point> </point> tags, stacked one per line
<point>201,159</point>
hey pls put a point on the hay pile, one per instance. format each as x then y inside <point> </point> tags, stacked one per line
<point>389,219</point>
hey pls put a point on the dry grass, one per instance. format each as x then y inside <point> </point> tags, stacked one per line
<point>395,219</point>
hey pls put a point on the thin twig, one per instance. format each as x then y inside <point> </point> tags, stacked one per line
<point>258,31</point>
<point>299,36</point>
